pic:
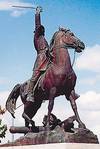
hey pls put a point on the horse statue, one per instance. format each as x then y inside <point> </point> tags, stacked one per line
<point>59,79</point>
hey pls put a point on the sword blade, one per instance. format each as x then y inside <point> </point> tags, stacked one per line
<point>29,7</point>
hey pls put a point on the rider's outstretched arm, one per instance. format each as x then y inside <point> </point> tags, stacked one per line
<point>38,18</point>
<point>37,27</point>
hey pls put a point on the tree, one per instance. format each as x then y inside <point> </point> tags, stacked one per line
<point>3,128</point>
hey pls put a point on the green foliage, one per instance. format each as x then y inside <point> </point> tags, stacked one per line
<point>3,129</point>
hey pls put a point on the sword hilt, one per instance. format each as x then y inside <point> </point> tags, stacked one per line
<point>39,9</point>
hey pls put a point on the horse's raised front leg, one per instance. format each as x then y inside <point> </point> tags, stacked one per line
<point>72,99</point>
<point>51,104</point>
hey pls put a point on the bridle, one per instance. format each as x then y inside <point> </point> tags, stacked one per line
<point>65,46</point>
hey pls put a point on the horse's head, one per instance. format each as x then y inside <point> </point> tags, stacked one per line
<point>68,39</point>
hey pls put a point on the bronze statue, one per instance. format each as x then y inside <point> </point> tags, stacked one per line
<point>58,79</point>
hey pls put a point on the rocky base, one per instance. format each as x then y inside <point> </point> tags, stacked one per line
<point>58,135</point>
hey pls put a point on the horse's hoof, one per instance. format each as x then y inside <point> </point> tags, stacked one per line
<point>32,123</point>
<point>35,129</point>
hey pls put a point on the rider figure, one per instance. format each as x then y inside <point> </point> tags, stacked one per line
<point>42,49</point>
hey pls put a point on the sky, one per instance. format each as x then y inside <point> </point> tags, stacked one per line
<point>17,54</point>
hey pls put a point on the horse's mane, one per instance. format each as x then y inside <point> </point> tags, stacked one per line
<point>52,39</point>
<point>54,35</point>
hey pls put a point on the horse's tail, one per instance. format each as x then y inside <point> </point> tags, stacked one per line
<point>12,98</point>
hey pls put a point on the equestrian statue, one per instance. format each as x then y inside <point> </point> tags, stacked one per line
<point>53,74</point>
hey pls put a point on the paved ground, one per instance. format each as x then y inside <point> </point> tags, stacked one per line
<point>57,146</point>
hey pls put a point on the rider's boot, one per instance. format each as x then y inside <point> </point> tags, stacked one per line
<point>33,80</point>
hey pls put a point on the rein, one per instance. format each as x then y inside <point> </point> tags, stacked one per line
<point>19,106</point>
<point>74,58</point>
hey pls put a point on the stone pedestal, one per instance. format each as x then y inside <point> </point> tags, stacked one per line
<point>58,135</point>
